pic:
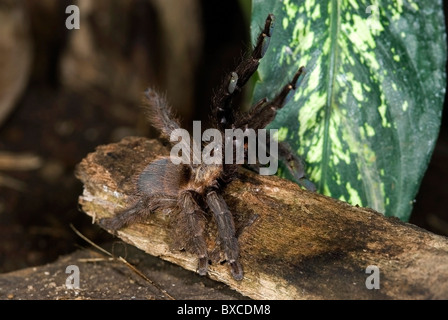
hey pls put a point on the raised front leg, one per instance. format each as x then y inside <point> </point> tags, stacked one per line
<point>233,83</point>
<point>263,113</point>
<point>159,113</point>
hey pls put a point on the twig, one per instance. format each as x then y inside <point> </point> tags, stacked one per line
<point>90,241</point>
<point>95,259</point>
<point>145,277</point>
<point>121,259</point>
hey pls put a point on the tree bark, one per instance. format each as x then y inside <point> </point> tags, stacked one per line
<point>295,244</point>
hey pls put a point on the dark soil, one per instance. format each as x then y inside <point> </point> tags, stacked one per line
<point>101,278</point>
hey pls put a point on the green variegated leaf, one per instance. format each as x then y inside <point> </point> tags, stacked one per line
<point>368,113</point>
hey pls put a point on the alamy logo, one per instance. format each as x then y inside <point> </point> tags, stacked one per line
<point>373,281</point>
<point>373,21</point>
<point>72,21</point>
<point>234,147</point>
<point>72,281</point>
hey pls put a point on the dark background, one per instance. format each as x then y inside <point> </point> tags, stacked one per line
<point>83,90</point>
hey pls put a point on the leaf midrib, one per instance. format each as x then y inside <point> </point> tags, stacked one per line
<point>331,75</point>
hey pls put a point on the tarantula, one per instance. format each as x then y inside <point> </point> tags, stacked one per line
<point>193,190</point>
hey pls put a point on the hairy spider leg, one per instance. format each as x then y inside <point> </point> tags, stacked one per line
<point>159,113</point>
<point>232,84</point>
<point>139,211</point>
<point>226,232</point>
<point>192,224</point>
<point>294,165</point>
<point>264,112</point>
<point>125,217</point>
<point>162,118</point>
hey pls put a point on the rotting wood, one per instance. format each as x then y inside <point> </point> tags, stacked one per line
<point>300,245</point>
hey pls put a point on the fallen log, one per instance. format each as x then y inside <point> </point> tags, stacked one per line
<point>295,244</point>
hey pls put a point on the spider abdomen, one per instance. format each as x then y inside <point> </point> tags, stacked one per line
<point>163,177</point>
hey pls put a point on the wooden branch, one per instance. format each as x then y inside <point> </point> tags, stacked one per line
<point>294,244</point>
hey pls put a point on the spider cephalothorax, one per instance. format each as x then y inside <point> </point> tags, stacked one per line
<point>194,189</point>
